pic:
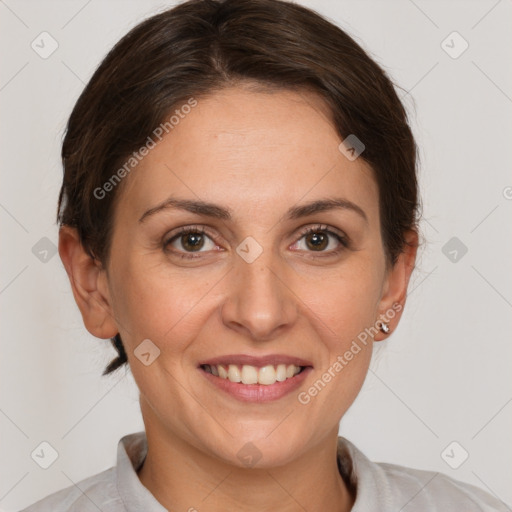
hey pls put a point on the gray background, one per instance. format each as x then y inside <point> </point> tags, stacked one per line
<point>443,376</point>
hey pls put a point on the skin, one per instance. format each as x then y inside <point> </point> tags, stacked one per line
<point>257,153</point>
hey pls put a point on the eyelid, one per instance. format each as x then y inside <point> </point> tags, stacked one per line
<point>328,229</point>
<point>342,238</point>
<point>194,228</point>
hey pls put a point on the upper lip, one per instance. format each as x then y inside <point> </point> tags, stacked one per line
<point>258,361</point>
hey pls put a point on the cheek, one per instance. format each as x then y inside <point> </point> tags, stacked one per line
<point>159,303</point>
<point>346,300</point>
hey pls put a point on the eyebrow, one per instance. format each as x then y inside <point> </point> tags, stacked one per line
<point>219,212</point>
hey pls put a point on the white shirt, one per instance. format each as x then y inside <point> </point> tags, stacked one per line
<point>380,487</point>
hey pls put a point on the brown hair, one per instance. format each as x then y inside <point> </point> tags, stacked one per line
<point>201,46</point>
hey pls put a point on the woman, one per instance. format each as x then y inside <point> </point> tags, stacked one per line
<point>239,214</point>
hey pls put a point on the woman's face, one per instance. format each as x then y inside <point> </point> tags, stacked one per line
<point>249,286</point>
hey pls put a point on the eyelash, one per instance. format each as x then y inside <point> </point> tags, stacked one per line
<point>343,240</point>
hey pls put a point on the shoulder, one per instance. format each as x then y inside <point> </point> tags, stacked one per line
<point>97,492</point>
<point>387,487</point>
<point>434,491</point>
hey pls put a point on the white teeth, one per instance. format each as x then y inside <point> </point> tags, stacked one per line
<point>281,372</point>
<point>234,373</point>
<point>267,375</point>
<point>247,374</point>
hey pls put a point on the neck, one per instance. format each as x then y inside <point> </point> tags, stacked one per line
<point>194,480</point>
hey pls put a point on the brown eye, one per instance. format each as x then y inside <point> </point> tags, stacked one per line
<point>317,241</point>
<point>192,241</point>
<point>320,239</point>
<point>187,241</point>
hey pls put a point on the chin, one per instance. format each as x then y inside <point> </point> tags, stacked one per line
<point>259,449</point>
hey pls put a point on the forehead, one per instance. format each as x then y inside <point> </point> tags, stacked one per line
<point>255,152</point>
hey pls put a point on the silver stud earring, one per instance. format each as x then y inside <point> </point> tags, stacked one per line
<point>384,327</point>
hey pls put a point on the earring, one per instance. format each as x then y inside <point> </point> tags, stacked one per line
<point>384,327</point>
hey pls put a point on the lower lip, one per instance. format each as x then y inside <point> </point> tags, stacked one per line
<point>258,392</point>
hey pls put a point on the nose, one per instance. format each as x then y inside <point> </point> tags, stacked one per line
<point>260,303</point>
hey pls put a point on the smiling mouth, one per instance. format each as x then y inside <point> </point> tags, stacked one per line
<point>247,374</point>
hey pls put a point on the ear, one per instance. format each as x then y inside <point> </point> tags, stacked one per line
<point>89,284</point>
<point>392,302</point>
